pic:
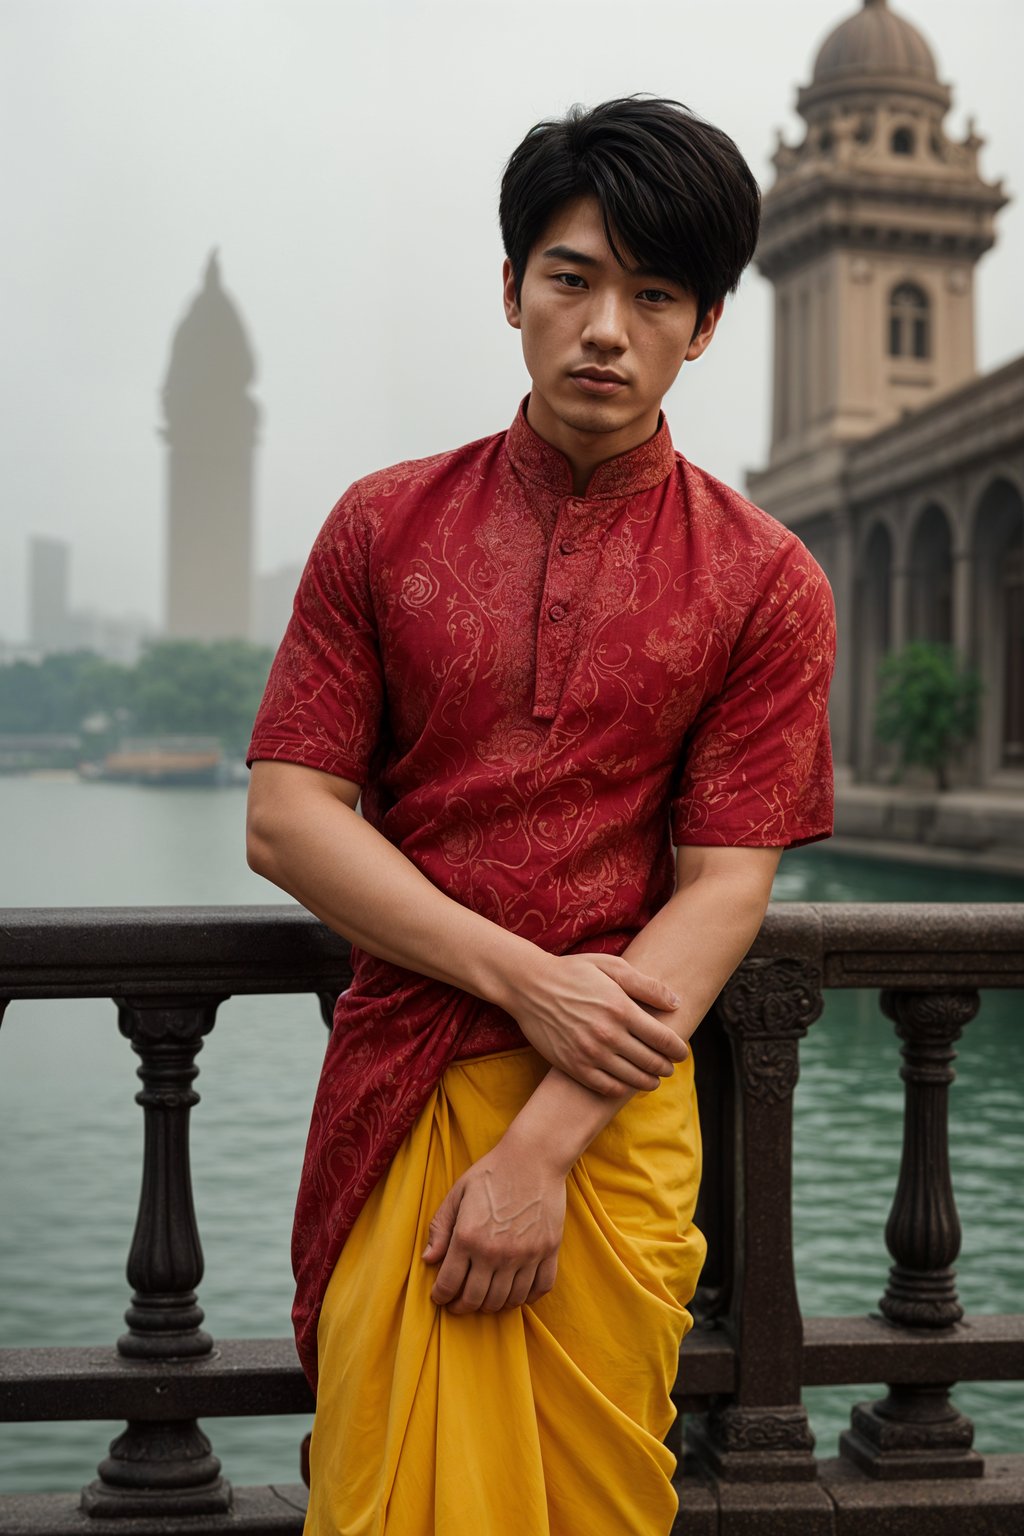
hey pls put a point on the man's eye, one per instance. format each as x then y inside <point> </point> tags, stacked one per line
<point>656,295</point>
<point>569,279</point>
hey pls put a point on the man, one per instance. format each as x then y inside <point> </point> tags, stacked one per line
<point>540,660</point>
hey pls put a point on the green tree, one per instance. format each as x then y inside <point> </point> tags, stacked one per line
<point>927,706</point>
<point>56,694</point>
<point>186,687</point>
<point>178,687</point>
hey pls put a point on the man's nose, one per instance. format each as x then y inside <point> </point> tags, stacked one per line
<point>606,329</point>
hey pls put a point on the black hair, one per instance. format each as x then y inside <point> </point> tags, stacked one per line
<point>673,189</point>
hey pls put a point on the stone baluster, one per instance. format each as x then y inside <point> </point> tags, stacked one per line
<point>916,1431</point>
<point>762,1435</point>
<point>163,1468</point>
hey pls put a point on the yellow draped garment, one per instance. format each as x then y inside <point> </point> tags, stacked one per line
<point>546,1420</point>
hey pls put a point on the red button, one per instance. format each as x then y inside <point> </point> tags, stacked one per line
<point>557,612</point>
<point>568,547</point>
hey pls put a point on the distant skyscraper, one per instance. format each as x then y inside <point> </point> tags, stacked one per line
<point>53,624</point>
<point>49,579</point>
<point>211,432</point>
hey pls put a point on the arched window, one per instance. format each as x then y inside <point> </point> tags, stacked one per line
<point>902,142</point>
<point>909,322</point>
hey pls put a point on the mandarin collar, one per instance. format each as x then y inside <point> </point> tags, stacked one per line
<point>639,469</point>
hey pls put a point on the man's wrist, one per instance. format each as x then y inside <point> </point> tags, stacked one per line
<point>559,1121</point>
<point>504,970</point>
<point>553,1155</point>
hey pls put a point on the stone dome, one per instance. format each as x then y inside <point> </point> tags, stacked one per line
<point>874,42</point>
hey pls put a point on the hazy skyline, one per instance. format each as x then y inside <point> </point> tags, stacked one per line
<point>345,159</point>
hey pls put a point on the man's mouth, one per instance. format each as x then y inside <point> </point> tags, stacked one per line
<point>598,381</point>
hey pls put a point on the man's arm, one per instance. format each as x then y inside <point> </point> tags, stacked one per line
<point>583,1013</point>
<point>497,1233</point>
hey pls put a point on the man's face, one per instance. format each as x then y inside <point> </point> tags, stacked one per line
<point>602,343</point>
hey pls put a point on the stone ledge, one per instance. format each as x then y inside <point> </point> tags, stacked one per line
<point>845,1502</point>
<point>992,1505</point>
<point>980,829</point>
<point>272,1511</point>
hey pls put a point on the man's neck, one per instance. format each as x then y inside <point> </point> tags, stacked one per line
<point>586,450</point>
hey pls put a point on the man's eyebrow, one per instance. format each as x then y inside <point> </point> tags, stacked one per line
<point>566,253</point>
<point>580,259</point>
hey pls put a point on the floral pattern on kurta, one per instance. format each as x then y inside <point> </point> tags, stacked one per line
<point>539,693</point>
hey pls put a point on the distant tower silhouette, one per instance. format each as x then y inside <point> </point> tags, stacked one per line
<point>49,583</point>
<point>211,432</point>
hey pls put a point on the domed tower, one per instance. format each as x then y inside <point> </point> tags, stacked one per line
<point>211,431</point>
<point>870,235</point>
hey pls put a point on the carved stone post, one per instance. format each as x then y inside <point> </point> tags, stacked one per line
<point>163,1468</point>
<point>763,1435</point>
<point>916,1431</point>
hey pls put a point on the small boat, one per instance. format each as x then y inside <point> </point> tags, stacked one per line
<point>162,760</point>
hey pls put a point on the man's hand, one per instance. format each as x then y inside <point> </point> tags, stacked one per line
<point>583,1014</point>
<point>497,1232</point>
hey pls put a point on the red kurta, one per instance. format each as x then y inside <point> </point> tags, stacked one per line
<point>539,693</point>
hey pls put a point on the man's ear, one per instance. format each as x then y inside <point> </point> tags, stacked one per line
<point>701,339</point>
<point>508,281</point>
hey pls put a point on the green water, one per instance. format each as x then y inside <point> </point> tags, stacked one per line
<point>70,1135</point>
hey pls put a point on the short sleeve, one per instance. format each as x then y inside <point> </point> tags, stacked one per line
<point>756,769</point>
<point>323,701</point>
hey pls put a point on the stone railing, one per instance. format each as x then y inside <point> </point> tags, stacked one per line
<point>747,1464</point>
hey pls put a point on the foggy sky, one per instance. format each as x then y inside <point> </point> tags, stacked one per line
<point>344,158</point>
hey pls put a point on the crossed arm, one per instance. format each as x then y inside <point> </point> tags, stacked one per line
<point>609,1025</point>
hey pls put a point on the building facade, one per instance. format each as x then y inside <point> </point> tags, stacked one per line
<point>899,466</point>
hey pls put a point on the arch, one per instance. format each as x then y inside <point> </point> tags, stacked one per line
<point>998,548</point>
<point>872,636</point>
<point>903,142</point>
<point>883,519</point>
<point>910,322</point>
<point>930,578</point>
<point>996,472</point>
<point>932,500</point>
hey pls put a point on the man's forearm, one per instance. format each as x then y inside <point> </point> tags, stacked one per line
<point>694,943</point>
<point>313,844</point>
<point>592,1015</point>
